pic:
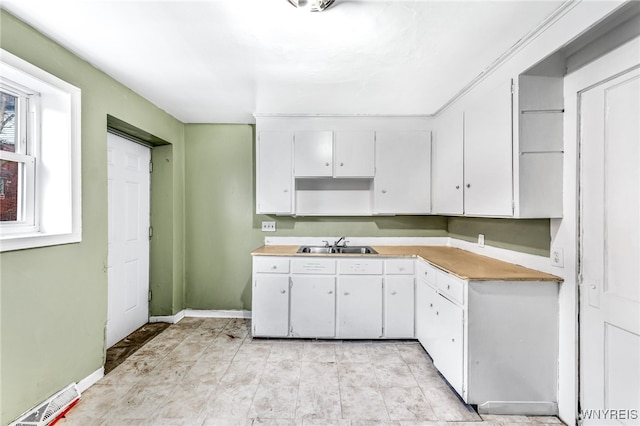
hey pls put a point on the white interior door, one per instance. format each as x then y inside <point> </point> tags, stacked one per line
<point>609,251</point>
<point>129,219</point>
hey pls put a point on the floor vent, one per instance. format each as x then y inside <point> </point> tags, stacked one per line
<point>52,409</point>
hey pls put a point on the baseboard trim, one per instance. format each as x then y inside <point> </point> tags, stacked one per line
<point>201,313</point>
<point>90,380</point>
<point>526,408</point>
<point>171,319</point>
<point>229,313</point>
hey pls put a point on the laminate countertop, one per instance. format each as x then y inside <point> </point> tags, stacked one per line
<point>461,263</point>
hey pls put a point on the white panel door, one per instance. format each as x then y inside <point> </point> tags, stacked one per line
<point>270,305</point>
<point>488,162</point>
<point>359,307</point>
<point>313,153</point>
<point>274,180</point>
<point>403,172</point>
<point>448,173</point>
<point>313,306</point>
<point>610,248</point>
<point>128,255</point>
<point>399,306</point>
<point>354,154</point>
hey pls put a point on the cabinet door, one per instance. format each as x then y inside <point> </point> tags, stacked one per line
<point>274,180</point>
<point>449,355</point>
<point>423,312</point>
<point>313,306</point>
<point>399,306</point>
<point>354,154</point>
<point>313,154</point>
<point>403,173</point>
<point>488,161</point>
<point>270,310</point>
<point>359,307</point>
<point>448,193</point>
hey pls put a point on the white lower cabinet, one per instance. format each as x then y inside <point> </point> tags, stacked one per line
<point>359,307</point>
<point>494,341</point>
<point>271,305</point>
<point>313,306</point>
<point>333,297</point>
<point>399,299</point>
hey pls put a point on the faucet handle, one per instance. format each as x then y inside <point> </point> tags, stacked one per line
<point>326,243</point>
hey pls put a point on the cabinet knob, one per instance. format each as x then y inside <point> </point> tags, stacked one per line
<point>468,185</point>
<point>346,293</point>
<point>341,164</point>
<point>326,164</point>
<point>283,291</point>
<point>448,286</point>
<point>457,186</point>
<point>431,305</point>
<point>401,269</point>
<point>286,190</point>
<point>330,292</point>
<point>274,267</point>
<point>453,340</point>
<point>437,313</point>
<point>384,191</point>
<point>426,273</point>
<point>393,293</point>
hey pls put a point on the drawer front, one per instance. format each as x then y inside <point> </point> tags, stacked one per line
<point>313,266</point>
<point>450,286</point>
<point>271,265</point>
<point>427,273</point>
<point>360,266</point>
<point>399,266</point>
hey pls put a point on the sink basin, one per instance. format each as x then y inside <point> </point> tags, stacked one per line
<point>317,249</point>
<point>337,250</point>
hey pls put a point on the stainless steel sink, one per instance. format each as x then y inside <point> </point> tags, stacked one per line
<point>337,250</point>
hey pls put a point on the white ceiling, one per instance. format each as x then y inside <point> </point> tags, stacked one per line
<point>220,61</point>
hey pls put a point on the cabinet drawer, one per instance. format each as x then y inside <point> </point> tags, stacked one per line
<point>360,266</point>
<point>272,265</point>
<point>427,273</point>
<point>313,266</point>
<point>399,266</point>
<point>451,287</point>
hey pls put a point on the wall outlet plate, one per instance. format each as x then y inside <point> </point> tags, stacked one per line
<point>480,240</point>
<point>557,257</point>
<point>268,226</point>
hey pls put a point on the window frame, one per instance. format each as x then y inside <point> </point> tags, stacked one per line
<point>26,154</point>
<point>50,153</point>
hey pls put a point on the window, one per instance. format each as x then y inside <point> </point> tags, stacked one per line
<point>39,157</point>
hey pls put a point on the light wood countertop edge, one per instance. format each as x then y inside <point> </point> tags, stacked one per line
<point>463,264</point>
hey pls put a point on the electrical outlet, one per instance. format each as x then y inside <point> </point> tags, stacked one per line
<point>480,240</point>
<point>557,257</point>
<point>269,226</point>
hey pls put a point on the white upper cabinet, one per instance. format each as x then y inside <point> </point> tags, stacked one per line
<point>313,153</point>
<point>502,155</point>
<point>274,180</point>
<point>354,153</point>
<point>488,155</point>
<point>448,173</point>
<point>403,172</point>
<point>334,166</point>
<point>337,154</point>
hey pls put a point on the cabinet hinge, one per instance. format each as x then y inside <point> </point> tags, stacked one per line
<point>149,296</point>
<point>150,166</point>
<point>150,232</point>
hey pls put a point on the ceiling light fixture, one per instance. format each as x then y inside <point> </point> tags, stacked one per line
<point>312,5</point>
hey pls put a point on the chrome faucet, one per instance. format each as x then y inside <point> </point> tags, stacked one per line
<point>337,243</point>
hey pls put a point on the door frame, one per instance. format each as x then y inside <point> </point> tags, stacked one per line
<point>606,68</point>
<point>564,231</point>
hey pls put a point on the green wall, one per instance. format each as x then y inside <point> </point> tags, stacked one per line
<point>222,227</point>
<point>54,299</point>
<point>531,236</point>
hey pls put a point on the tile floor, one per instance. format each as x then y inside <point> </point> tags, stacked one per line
<point>211,372</point>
